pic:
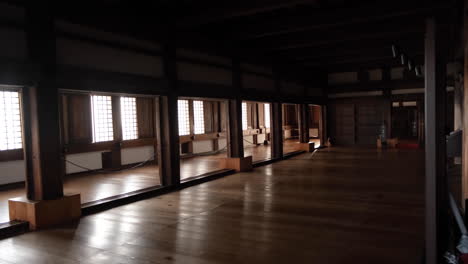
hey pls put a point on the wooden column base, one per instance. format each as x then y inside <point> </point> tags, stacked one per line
<point>238,164</point>
<point>47,213</point>
<point>309,147</point>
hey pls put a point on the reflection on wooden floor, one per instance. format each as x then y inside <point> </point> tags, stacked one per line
<point>293,145</point>
<point>258,153</point>
<point>337,205</point>
<point>96,186</point>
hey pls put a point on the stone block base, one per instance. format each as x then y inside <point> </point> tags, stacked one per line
<point>47,213</point>
<point>238,164</point>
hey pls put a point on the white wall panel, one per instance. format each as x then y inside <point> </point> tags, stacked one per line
<point>202,146</point>
<point>203,57</point>
<point>13,43</point>
<point>91,160</point>
<point>256,82</point>
<point>137,154</point>
<point>89,55</point>
<point>86,31</point>
<point>203,73</point>
<point>342,77</point>
<point>12,171</point>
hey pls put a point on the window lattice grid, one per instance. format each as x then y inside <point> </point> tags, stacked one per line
<point>103,129</point>
<point>183,117</point>
<point>128,114</point>
<point>198,117</point>
<point>10,121</point>
<point>267,115</point>
<point>244,116</point>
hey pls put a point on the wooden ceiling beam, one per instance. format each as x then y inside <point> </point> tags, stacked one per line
<point>337,18</point>
<point>365,63</point>
<point>354,46</point>
<point>344,39</point>
<point>359,53</point>
<point>230,12</point>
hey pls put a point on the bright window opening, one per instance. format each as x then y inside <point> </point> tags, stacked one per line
<point>267,115</point>
<point>183,116</point>
<point>129,118</point>
<point>244,116</point>
<point>10,120</point>
<point>103,129</point>
<point>198,117</point>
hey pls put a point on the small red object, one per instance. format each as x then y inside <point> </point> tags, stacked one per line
<point>464,258</point>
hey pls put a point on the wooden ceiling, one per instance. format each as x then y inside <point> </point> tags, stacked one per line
<point>304,35</point>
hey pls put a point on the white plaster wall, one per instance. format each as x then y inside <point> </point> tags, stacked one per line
<point>11,12</point>
<point>203,57</point>
<point>248,140</point>
<point>99,57</point>
<point>261,138</point>
<point>355,94</point>
<point>256,82</point>
<point>203,73</point>
<point>375,75</point>
<point>292,88</point>
<point>107,36</point>
<point>222,143</point>
<point>313,132</point>
<point>342,77</point>
<point>91,160</point>
<point>397,73</point>
<point>12,171</point>
<point>13,43</point>
<point>314,91</point>
<point>137,154</point>
<point>256,68</point>
<point>202,146</point>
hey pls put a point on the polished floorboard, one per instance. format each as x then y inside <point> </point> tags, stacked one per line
<point>337,205</point>
<point>100,185</point>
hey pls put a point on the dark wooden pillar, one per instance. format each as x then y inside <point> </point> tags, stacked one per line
<point>117,125</point>
<point>42,147</point>
<point>277,130</point>
<point>234,129</point>
<point>276,120</point>
<point>464,116</point>
<point>167,128</point>
<point>168,140</point>
<point>323,125</point>
<point>436,187</point>
<point>234,115</point>
<point>303,119</point>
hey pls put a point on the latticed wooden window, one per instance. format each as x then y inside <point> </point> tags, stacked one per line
<point>198,117</point>
<point>267,115</point>
<point>244,116</point>
<point>183,116</point>
<point>128,114</point>
<point>103,129</point>
<point>10,121</point>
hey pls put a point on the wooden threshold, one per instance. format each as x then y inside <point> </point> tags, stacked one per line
<point>13,228</point>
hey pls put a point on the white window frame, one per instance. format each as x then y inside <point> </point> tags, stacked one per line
<point>198,117</point>
<point>102,122</point>
<point>11,135</point>
<point>245,124</point>
<point>183,117</point>
<point>128,115</point>
<point>267,115</point>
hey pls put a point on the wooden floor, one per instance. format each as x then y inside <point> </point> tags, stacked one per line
<point>338,205</point>
<point>95,186</point>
